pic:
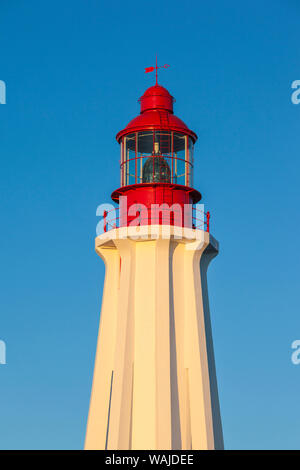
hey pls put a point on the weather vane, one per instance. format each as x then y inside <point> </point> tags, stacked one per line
<point>151,69</point>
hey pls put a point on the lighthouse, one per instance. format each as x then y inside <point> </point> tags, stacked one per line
<point>154,384</point>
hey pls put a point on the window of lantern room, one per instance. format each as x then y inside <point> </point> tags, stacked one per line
<point>156,157</point>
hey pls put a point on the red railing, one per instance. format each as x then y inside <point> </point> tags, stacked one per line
<point>197,219</point>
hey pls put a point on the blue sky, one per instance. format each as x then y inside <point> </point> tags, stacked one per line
<point>73,72</point>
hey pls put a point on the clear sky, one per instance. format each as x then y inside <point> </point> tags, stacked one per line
<point>74,71</point>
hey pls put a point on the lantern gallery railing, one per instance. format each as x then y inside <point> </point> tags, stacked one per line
<point>193,217</point>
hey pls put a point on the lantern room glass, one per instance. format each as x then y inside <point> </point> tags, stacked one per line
<point>157,157</point>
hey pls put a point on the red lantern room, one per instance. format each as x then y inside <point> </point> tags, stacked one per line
<point>156,165</point>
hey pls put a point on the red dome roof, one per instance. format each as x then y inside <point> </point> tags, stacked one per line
<point>156,89</point>
<point>156,113</point>
<point>156,97</point>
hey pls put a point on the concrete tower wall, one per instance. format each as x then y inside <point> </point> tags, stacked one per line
<point>154,383</point>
